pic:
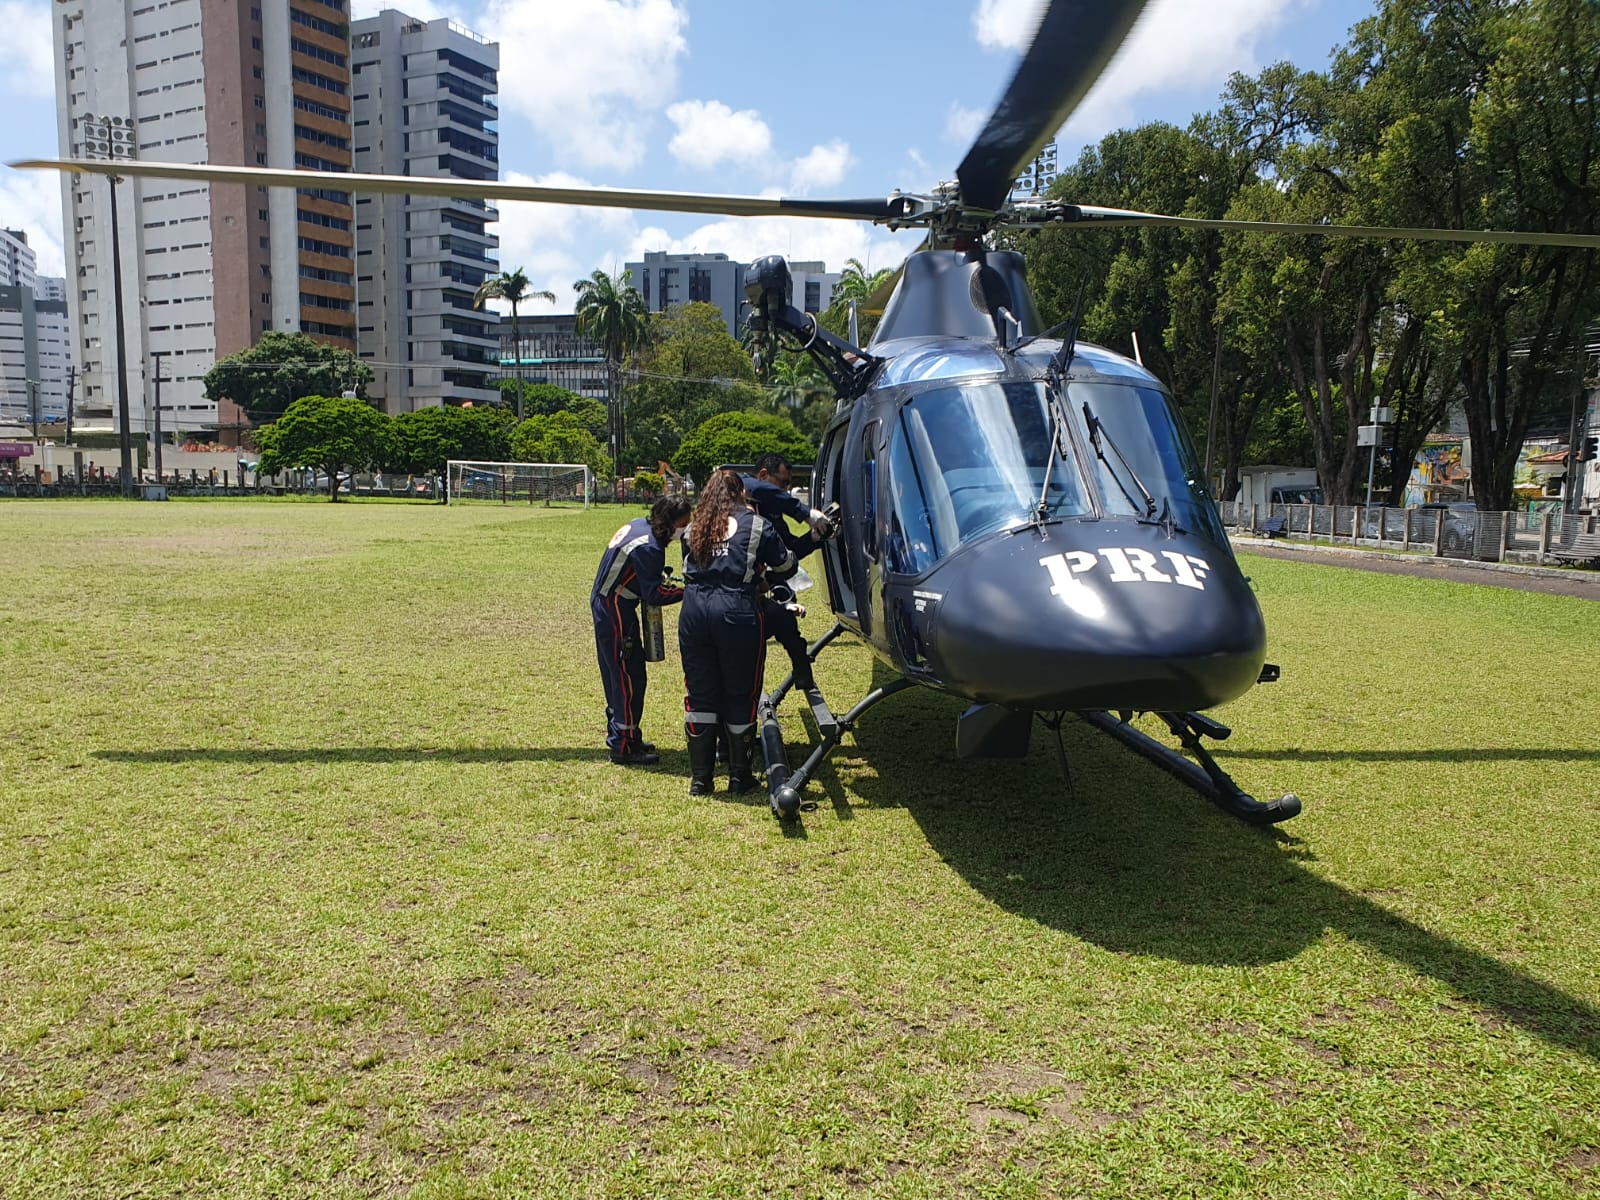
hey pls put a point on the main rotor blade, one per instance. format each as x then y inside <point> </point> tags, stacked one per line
<point>470,189</point>
<point>1123,218</point>
<point>1076,39</point>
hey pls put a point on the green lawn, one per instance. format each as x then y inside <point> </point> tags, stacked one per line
<point>315,881</point>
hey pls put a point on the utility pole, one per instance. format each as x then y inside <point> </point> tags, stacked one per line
<point>72,371</point>
<point>125,441</point>
<point>158,355</point>
<point>33,404</point>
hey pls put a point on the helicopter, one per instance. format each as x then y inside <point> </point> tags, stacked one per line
<point>1024,522</point>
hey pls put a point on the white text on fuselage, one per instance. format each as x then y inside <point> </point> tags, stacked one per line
<point>1127,564</point>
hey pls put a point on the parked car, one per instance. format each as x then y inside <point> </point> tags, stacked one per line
<point>1460,523</point>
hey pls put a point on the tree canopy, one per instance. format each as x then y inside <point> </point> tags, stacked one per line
<point>281,368</point>
<point>423,441</point>
<point>1475,114</point>
<point>739,437</point>
<point>333,434</point>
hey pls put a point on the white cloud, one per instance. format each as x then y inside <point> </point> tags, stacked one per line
<point>589,74</point>
<point>550,241</point>
<point>821,167</point>
<point>962,124</point>
<point>1007,24</point>
<point>709,132</point>
<point>27,54</point>
<point>31,201</point>
<point>421,10</point>
<point>749,238</point>
<point>1177,44</point>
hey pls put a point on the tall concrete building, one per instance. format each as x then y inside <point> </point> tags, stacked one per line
<point>34,349</point>
<point>424,104</point>
<point>18,264</point>
<point>205,270</point>
<point>33,357</point>
<point>664,280</point>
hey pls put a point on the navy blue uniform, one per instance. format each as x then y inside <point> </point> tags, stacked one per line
<point>630,573</point>
<point>774,503</point>
<point>721,634</point>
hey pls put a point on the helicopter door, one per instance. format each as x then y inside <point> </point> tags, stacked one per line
<point>841,589</point>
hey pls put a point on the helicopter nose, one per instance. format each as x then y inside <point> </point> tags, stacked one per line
<point>1097,616</point>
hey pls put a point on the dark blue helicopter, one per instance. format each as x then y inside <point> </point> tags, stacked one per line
<point>1025,524</point>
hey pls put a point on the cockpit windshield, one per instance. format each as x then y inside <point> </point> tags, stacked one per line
<point>970,458</point>
<point>1147,447</point>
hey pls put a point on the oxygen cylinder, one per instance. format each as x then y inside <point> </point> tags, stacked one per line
<point>653,632</point>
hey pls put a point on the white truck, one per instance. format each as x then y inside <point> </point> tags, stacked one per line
<point>1264,486</point>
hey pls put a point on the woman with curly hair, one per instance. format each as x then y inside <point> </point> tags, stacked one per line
<point>730,554</point>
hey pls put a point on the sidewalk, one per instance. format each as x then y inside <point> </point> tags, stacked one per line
<point>1562,580</point>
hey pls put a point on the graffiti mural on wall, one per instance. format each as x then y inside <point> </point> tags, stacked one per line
<point>1439,473</point>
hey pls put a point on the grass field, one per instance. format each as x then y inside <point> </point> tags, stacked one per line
<point>315,881</point>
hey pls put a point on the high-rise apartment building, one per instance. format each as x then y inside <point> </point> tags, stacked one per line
<point>665,280</point>
<point>205,270</point>
<point>18,265</point>
<point>34,349</point>
<point>424,104</point>
<point>33,357</point>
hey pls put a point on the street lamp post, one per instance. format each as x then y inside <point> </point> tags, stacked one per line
<point>111,137</point>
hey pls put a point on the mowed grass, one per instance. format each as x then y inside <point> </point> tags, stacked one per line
<point>315,881</point>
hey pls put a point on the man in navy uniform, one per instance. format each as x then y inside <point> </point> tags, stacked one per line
<point>630,574</point>
<point>769,494</point>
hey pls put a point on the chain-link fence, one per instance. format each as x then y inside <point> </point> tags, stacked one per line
<point>1444,530</point>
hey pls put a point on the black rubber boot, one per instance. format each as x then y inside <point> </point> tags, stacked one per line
<point>741,750</point>
<point>702,758</point>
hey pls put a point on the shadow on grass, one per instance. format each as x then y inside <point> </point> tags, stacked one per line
<point>1137,863</point>
<point>1463,755</point>
<point>367,754</point>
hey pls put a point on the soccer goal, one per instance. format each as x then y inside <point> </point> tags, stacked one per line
<point>518,482</point>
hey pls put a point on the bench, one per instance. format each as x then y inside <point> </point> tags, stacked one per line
<point>1583,548</point>
<point>1273,527</point>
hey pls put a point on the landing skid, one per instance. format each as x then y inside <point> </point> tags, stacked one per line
<point>1203,774</point>
<point>784,786</point>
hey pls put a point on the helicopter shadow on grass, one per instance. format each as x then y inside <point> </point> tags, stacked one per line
<point>1126,857</point>
<point>269,755</point>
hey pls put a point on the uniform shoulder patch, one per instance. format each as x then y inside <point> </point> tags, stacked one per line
<point>618,536</point>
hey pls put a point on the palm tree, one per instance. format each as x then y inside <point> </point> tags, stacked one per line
<point>511,286</point>
<point>611,311</point>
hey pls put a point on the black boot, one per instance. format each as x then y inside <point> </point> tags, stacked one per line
<point>702,758</point>
<point>741,750</point>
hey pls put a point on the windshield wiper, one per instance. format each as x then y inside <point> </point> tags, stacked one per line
<point>1097,434</point>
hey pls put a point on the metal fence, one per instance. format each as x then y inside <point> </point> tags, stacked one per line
<point>1549,538</point>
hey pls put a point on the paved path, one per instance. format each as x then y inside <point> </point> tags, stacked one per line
<point>1552,580</point>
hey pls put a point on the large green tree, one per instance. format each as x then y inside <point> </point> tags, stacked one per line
<point>332,434</point>
<point>1485,114</point>
<point>281,368</point>
<point>739,437</point>
<point>559,437</point>
<point>543,399</point>
<point>612,312</point>
<point>425,440</point>
<point>514,289</point>
<point>693,370</point>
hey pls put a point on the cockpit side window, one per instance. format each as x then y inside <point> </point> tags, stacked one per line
<point>968,459</point>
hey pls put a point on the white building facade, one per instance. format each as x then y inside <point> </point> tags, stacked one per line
<point>665,280</point>
<point>204,270</point>
<point>423,103</point>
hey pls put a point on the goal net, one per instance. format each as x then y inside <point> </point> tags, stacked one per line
<point>518,482</point>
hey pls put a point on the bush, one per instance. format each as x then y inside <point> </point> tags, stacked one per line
<point>739,437</point>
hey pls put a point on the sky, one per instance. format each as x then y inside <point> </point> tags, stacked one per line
<point>819,98</point>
